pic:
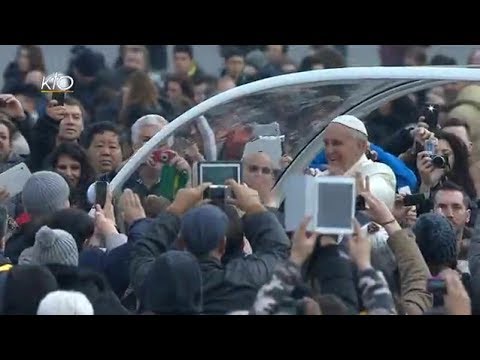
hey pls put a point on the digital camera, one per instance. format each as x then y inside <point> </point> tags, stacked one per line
<point>439,161</point>
<point>163,156</point>
<point>217,173</point>
<point>217,193</point>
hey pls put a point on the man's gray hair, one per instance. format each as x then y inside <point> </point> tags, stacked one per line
<point>148,120</point>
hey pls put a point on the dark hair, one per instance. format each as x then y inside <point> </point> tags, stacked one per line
<point>35,57</point>
<point>328,57</point>
<point>74,221</point>
<point>123,49</point>
<point>442,60</point>
<point>25,287</point>
<point>99,128</point>
<point>451,186</point>
<point>459,173</point>
<point>285,48</point>
<point>233,51</point>
<point>456,122</point>
<point>188,49</point>
<point>185,84</point>
<point>12,129</point>
<point>77,153</point>
<point>28,90</point>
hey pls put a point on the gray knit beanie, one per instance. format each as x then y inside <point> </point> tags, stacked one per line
<point>45,193</point>
<point>54,247</point>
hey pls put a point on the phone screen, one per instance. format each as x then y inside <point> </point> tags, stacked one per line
<point>101,193</point>
<point>217,175</point>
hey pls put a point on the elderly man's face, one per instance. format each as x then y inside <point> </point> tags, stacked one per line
<point>146,133</point>
<point>342,148</point>
<point>258,172</point>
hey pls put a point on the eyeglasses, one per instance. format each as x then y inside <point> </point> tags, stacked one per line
<point>264,170</point>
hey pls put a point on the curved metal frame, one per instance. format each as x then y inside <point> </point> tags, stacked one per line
<point>331,76</point>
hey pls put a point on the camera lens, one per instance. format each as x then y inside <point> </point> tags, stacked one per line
<point>439,162</point>
<point>164,158</point>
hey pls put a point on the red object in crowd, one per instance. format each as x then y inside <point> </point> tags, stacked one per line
<point>235,143</point>
<point>23,219</point>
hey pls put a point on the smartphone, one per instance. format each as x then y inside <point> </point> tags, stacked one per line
<point>413,200</point>
<point>436,286</point>
<point>60,97</point>
<point>430,113</point>
<point>101,188</point>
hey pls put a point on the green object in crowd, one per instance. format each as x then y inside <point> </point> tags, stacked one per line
<point>171,181</point>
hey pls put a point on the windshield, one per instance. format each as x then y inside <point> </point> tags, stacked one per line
<point>295,108</point>
<point>301,112</point>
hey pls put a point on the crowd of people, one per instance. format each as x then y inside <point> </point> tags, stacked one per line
<point>160,248</point>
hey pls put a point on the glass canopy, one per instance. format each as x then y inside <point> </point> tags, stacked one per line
<point>302,104</point>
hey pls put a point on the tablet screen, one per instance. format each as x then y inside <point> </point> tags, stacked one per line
<point>336,207</point>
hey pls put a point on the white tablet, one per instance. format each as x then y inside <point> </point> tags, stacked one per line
<point>15,178</point>
<point>336,205</point>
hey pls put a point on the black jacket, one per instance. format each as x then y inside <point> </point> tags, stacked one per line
<point>93,285</point>
<point>22,239</point>
<point>43,140</point>
<point>228,287</point>
<point>399,142</point>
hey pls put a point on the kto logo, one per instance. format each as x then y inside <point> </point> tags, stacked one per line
<point>57,82</point>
